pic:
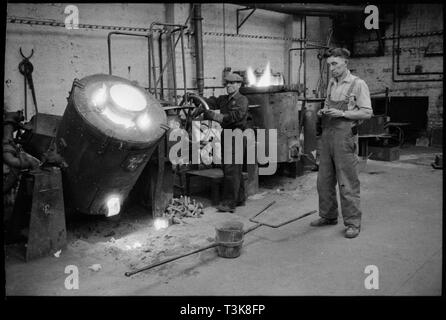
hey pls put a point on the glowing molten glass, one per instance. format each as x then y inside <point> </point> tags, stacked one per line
<point>143,121</point>
<point>100,96</point>
<point>113,206</point>
<point>117,118</point>
<point>127,97</point>
<point>160,223</point>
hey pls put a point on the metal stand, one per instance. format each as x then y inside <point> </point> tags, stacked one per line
<point>41,194</point>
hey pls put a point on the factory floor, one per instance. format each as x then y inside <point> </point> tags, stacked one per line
<point>401,236</point>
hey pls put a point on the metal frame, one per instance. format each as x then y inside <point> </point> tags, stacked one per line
<point>170,59</point>
<point>240,24</point>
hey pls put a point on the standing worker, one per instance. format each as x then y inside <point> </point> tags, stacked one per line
<point>233,115</point>
<point>347,103</point>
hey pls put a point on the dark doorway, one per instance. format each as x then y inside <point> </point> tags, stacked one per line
<point>411,110</point>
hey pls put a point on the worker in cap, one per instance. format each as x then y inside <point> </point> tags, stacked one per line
<point>347,104</point>
<point>233,115</point>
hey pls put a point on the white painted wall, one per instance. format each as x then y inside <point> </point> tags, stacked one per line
<point>60,55</point>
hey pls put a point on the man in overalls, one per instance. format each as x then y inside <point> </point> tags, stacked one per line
<point>233,115</point>
<point>347,104</point>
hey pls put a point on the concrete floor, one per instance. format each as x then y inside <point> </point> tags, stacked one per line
<point>401,235</point>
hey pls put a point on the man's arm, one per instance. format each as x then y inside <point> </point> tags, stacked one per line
<point>363,102</point>
<point>361,114</point>
<point>212,102</point>
<point>237,113</point>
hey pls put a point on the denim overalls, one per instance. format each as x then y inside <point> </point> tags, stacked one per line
<point>338,165</point>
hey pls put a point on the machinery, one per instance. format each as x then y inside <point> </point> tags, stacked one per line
<point>274,107</point>
<point>87,160</point>
<point>107,135</point>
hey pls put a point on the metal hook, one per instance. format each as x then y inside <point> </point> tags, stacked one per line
<point>32,52</point>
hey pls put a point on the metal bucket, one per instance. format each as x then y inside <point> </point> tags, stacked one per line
<point>229,236</point>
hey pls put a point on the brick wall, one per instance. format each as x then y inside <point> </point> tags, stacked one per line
<point>377,71</point>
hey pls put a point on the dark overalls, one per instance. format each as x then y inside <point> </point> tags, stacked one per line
<point>338,164</point>
<point>235,112</point>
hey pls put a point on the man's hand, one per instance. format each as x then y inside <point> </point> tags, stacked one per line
<point>198,111</point>
<point>334,113</point>
<point>210,115</point>
<point>321,112</point>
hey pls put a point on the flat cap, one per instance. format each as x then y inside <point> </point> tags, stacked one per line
<point>233,77</point>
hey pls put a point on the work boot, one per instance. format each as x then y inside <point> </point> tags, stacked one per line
<point>241,203</point>
<point>323,222</point>
<point>225,208</point>
<point>351,232</point>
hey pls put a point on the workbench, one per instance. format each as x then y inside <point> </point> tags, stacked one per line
<point>363,141</point>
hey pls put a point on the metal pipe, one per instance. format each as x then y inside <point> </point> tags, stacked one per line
<point>199,47</point>
<point>305,62</point>
<point>154,64</point>
<point>306,9</point>
<point>109,44</point>
<point>183,59</point>
<point>149,64</point>
<point>393,55</point>
<point>160,53</point>
<point>131,273</point>
<point>172,59</point>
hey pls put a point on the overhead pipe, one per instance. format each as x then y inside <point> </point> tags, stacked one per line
<point>313,9</point>
<point>198,30</point>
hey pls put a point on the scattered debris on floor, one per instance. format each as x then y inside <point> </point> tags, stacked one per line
<point>181,207</point>
<point>95,267</point>
<point>258,196</point>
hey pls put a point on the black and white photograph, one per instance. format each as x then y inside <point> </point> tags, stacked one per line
<point>217,149</point>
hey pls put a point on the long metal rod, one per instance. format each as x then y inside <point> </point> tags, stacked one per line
<point>198,30</point>
<point>287,222</point>
<point>183,58</point>
<point>306,9</point>
<point>153,265</point>
<point>160,53</point>
<point>152,41</point>
<point>174,75</point>
<point>131,273</point>
<point>149,64</point>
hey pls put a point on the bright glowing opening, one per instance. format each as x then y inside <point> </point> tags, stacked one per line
<point>143,121</point>
<point>127,97</point>
<point>113,206</point>
<point>117,118</point>
<point>265,79</point>
<point>252,79</point>
<point>99,96</point>
<point>161,223</point>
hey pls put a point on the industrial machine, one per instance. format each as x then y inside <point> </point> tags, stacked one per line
<point>109,147</point>
<point>88,160</point>
<point>107,135</point>
<point>275,107</point>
